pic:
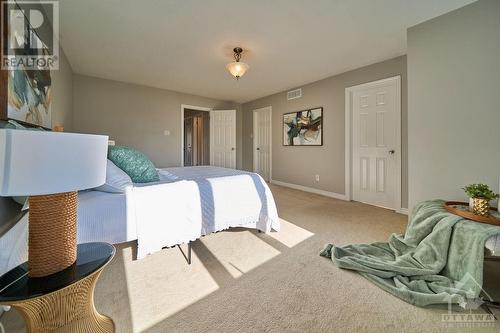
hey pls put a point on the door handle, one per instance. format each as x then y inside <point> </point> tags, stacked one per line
<point>232,148</point>
<point>392,151</point>
<point>258,148</point>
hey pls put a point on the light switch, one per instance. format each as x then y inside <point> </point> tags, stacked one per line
<point>166,132</point>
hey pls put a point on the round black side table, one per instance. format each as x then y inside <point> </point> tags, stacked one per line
<point>64,301</point>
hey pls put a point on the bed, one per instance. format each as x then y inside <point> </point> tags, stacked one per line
<point>186,204</point>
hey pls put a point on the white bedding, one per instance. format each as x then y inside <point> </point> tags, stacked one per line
<point>194,201</point>
<point>184,205</point>
<point>14,246</point>
<point>105,217</point>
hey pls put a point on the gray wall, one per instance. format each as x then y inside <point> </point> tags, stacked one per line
<point>62,94</point>
<point>454,104</point>
<point>137,116</point>
<point>298,165</point>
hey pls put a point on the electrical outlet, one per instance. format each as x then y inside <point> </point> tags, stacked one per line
<point>316,177</point>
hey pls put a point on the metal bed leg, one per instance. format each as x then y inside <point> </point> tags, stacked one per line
<point>188,256</point>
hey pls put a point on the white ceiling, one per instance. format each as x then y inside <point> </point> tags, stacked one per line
<point>184,45</point>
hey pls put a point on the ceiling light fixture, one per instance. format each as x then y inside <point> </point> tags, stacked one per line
<point>237,68</point>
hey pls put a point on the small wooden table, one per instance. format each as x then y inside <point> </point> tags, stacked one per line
<point>64,301</point>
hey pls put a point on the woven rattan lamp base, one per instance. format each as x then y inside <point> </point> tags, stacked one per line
<point>52,233</point>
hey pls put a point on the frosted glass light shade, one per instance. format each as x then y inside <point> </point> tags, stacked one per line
<point>39,163</point>
<point>237,68</point>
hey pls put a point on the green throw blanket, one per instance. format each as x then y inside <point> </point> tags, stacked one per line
<point>439,260</point>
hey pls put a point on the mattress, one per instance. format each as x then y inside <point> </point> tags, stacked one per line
<point>14,246</point>
<point>184,205</point>
<point>105,217</point>
<point>102,217</point>
<point>213,182</point>
<point>197,173</point>
<point>190,202</point>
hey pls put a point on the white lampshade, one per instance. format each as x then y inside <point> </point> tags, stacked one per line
<point>40,163</point>
<point>237,68</point>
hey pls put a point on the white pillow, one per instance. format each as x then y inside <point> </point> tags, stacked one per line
<point>117,180</point>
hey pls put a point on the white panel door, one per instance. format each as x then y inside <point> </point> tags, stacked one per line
<point>223,138</point>
<point>262,142</point>
<point>374,143</point>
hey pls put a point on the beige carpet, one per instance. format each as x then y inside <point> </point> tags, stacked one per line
<point>243,281</point>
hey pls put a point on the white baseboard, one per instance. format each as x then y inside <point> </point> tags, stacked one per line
<point>311,190</point>
<point>403,211</point>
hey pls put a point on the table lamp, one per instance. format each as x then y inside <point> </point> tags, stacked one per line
<point>50,168</point>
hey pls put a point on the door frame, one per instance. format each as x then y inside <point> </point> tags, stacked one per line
<point>190,107</point>
<point>270,108</point>
<point>349,91</point>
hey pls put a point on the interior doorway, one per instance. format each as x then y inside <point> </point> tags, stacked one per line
<point>196,137</point>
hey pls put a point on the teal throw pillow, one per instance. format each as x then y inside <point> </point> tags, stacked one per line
<point>134,163</point>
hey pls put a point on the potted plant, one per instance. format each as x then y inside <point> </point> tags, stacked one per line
<point>480,196</point>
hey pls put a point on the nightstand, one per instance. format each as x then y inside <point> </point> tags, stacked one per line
<point>64,301</point>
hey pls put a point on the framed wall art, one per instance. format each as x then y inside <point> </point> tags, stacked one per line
<point>303,128</point>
